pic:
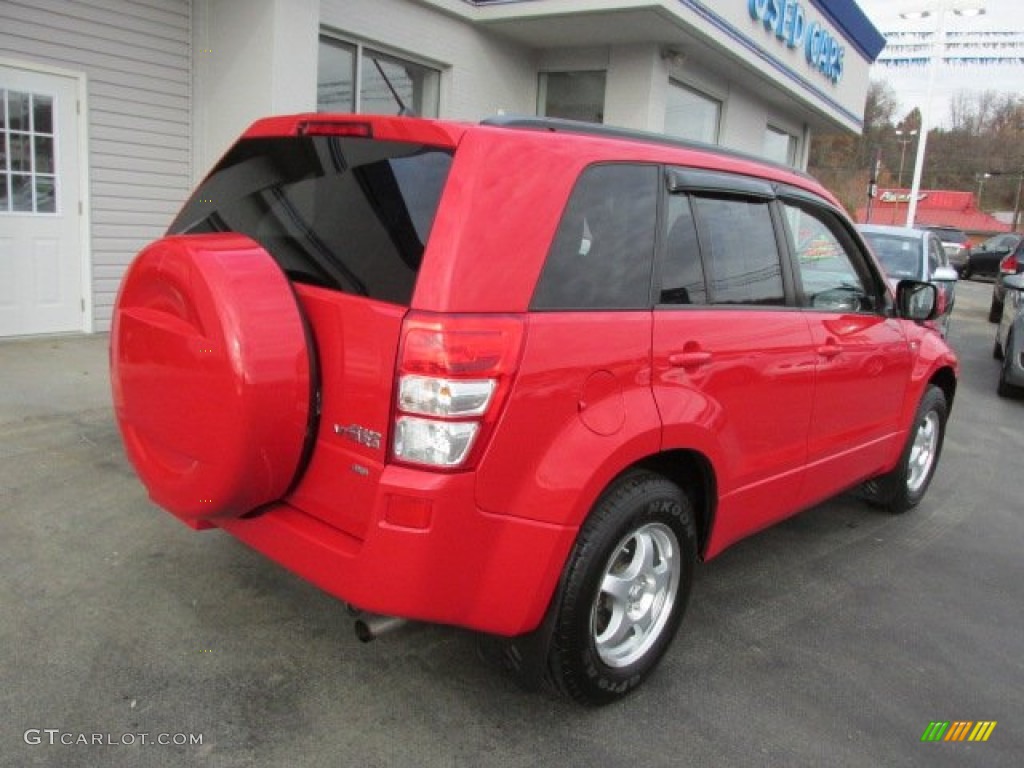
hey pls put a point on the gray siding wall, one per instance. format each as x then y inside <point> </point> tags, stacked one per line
<point>136,56</point>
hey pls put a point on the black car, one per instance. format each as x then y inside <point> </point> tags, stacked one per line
<point>956,245</point>
<point>984,260</point>
<point>1008,252</point>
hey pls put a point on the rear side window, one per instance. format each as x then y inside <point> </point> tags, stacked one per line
<point>602,254</point>
<point>352,214</point>
<point>682,273</point>
<point>740,250</point>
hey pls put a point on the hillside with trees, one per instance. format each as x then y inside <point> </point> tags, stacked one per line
<point>984,134</point>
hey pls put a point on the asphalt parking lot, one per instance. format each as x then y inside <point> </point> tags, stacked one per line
<point>833,639</point>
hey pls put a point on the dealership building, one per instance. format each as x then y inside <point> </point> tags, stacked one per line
<point>110,110</point>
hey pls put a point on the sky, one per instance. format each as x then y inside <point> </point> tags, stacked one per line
<point>910,82</point>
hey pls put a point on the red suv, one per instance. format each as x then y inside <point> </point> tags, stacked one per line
<point>517,376</point>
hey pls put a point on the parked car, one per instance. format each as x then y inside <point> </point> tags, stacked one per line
<point>985,257</point>
<point>916,254</point>
<point>517,376</point>
<point>1009,345</point>
<point>957,246</point>
<point>1010,252</point>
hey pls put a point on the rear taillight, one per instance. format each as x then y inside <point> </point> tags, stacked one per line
<point>1009,265</point>
<point>454,374</point>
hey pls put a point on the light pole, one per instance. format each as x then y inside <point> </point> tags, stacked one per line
<point>981,186</point>
<point>938,8</point>
<point>903,151</point>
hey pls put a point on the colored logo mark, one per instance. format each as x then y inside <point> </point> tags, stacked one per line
<point>958,730</point>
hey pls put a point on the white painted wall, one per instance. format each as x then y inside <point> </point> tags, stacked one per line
<point>482,74</point>
<point>135,56</point>
<point>636,77</point>
<point>253,58</point>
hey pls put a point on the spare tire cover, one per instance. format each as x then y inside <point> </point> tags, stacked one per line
<point>211,375</point>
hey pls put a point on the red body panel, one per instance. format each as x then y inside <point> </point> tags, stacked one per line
<point>211,375</point>
<point>863,373</point>
<point>739,387</point>
<point>464,566</point>
<point>357,341</point>
<point>784,406</point>
<point>581,411</point>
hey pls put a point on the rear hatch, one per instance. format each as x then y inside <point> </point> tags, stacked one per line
<point>344,208</point>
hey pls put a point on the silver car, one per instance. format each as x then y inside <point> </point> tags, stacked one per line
<point>1009,345</point>
<point>915,254</point>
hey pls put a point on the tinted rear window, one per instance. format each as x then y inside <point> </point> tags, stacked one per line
<point>602,254</point>
<point>351,214</point>
<point>950,235</point>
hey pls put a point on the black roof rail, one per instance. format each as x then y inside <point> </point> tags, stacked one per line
<point>562,125</point>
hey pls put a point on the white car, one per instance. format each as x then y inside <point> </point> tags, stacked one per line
<point>915,254</point>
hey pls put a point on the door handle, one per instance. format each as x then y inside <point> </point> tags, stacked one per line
<point>830,349</point>
<point>689,359</point>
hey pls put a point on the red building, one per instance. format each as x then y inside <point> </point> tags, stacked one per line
<point>934,207</point>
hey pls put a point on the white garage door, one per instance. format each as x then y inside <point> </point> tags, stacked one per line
<point>40,245</point>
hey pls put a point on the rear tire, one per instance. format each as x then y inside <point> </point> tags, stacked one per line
<point>995,311</point>
<point>626,586</point>
<point>1005,388</point>
<point>904,487</point>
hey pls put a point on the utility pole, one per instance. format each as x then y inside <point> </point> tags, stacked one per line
<point>876,167</point>
<point>1016,201</point>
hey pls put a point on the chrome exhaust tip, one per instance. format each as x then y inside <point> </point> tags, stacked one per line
<point>370,626</point>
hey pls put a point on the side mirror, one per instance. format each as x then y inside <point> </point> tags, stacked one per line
<point>917,301</point>
<point>944,274</point>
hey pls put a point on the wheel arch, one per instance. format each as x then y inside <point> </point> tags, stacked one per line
<point>945,379</point>
<point>692,471</point>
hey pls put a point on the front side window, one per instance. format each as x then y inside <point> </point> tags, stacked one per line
<point>690,114</point>
<point>741,254</point>
<point>572,95</point>
<point>350,214</point>
<point>603,251</point>
<point>354,78</point>
<point>831,277</point>
<point>936,255</point>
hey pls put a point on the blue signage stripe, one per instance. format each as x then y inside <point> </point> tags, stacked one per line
<point>857,28</point>
<point>844,14</point>
<point>713,18</point>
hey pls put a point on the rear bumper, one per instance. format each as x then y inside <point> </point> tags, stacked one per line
<point>429,554</point>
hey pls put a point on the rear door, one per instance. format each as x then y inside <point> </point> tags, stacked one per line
<point>733,365</point>
<point>863,357</point>
<point>347,220</point>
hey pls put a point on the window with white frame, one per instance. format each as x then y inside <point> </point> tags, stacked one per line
<point>352,77</point>
<point>572,95</point>
<point>780,146</point>
<point>690,114</point>
<point>28,181</point>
